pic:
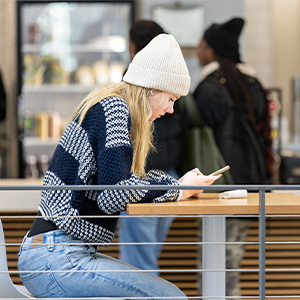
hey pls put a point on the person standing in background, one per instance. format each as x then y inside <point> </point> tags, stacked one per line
<point>3,136</point>
<point>2,100</point>
<point>232,102</point>
<point>168,144</point>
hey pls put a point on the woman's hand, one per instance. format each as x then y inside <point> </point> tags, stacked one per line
<point>195,177</point>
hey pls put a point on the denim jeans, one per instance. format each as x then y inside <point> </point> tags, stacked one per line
<point>87,277</point>
<point>143,229</point>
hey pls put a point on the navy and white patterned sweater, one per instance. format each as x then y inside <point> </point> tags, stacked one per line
<point>97,152</point>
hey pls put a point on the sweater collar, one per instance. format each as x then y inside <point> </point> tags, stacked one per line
<point>246,69</point>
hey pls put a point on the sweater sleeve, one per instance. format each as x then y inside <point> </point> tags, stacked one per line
<point>112,201</point>
<point>114,160</point>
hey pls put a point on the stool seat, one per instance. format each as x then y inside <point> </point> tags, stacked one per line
<point>7,288</point>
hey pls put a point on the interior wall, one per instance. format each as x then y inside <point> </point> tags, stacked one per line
<point>259,40</point>
<point>215,10</point>
<point>286,35</point>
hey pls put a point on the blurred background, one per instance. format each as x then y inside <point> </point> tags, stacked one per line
<point>53,53</point>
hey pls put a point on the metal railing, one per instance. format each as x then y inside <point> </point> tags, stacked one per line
<point>262,242</point>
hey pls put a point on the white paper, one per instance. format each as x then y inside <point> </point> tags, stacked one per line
<point>234,194</point>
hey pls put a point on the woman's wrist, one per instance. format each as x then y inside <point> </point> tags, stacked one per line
<point>180,192</point>
<point>179,195</point>
<point>185,194</point>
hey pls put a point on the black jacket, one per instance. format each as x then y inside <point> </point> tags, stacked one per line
<point>168,142</point>
<point>236,136</point>
<point>2,101</point>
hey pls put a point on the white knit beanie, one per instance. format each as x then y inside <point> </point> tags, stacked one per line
<point>161,66</point>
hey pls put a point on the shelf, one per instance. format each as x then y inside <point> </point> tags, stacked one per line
<point>39,142</point>
<point>55,88</point>
<point>116,44</point>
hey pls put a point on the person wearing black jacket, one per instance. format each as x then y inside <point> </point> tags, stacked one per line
<point>2,128</point>
<point>168,142</point>
<point>2,100</point>
<point>232,102</point>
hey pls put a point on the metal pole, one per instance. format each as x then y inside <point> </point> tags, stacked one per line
<point>262,246</point>
<point>214,257</point>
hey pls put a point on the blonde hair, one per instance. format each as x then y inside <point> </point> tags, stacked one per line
<point>140,112</point>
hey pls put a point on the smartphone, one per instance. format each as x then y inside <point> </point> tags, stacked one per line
<point>220,171</point>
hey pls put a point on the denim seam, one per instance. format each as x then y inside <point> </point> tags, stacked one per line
<point>116,282</point>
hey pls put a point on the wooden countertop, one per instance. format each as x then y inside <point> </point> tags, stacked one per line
<point>207,204</point>
<point>210,204</point>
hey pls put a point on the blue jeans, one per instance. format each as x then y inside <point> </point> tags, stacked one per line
<point>143,229</point>
<point>58,255</point>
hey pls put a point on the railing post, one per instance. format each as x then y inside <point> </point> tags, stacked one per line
<point>214,256</point>
<point>262,246</point>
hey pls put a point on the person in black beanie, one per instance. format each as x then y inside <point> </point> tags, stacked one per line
<point>3,126</point>
<point>168,142</point>
<point>223,38</point>
<point>230,99</point>
<point>2,100</point>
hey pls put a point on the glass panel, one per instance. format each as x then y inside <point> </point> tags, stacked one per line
<point>83,43</point>
<point>67,49</point>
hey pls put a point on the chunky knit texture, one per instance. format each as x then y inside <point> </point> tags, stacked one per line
<point>97,152</point>
<point>161,66</point>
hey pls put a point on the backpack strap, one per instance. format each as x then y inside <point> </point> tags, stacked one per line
<point>188,105</point>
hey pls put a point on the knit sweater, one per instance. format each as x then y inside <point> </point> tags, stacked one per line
<point>99,151</point>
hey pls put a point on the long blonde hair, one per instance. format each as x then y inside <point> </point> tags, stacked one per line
<point>140,112</point>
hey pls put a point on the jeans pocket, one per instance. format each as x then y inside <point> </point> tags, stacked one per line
<point>42,284</point>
